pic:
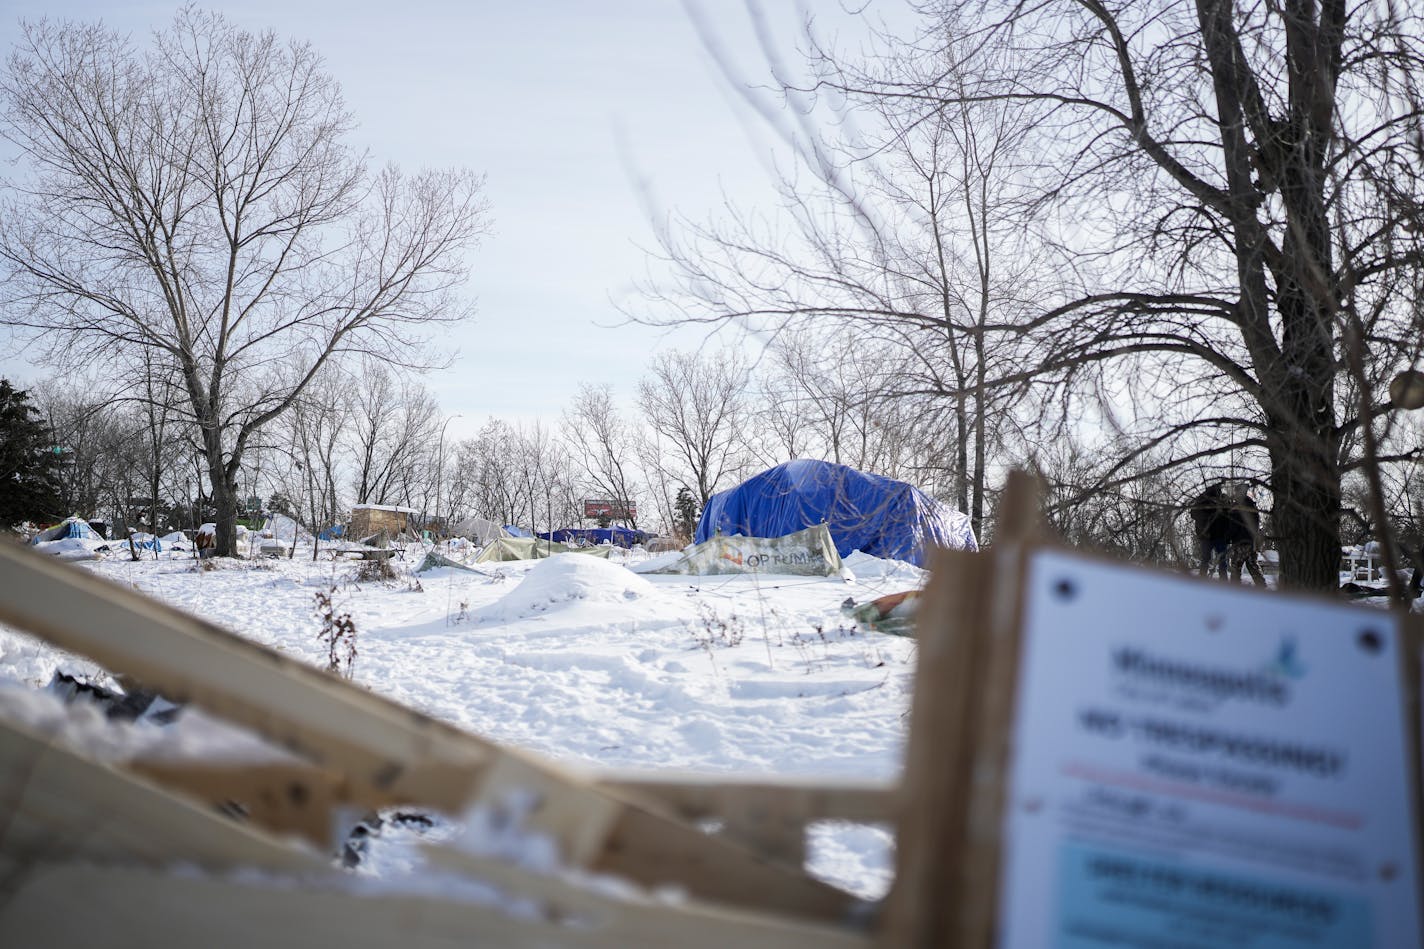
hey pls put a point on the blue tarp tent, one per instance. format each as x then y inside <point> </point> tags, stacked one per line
<point>617,536</point>
<point>70,527</point>
<point>878,515</point>
<point>516,531</point>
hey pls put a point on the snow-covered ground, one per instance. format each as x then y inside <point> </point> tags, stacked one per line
<point>584,660</point>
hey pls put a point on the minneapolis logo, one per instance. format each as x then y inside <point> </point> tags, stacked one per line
<point>1287,662</point>
<point>1267,686</point>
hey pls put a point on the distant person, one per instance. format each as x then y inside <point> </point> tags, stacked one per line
<point>1211,523</point>
<point>1244,533</point>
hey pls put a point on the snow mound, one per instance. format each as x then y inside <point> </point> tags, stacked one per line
<point>569,579</point>
<point>866,566</point>
<point>72,548</point>
<point>656,562</point>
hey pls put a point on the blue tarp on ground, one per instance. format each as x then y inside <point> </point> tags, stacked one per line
<point>617,536</point>
<point>334,532</point>
<point>878,515</point>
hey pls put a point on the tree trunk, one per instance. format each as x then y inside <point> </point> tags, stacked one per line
<point>1306,521</point>
<point>224,492</point>
<point>225,503</point>
<point>1305,481</point>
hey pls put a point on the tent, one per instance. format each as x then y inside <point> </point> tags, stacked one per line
<point>478,530</point>
<point>872,513</point>
<point>617,536</point>
<point>804,553</point>
<point>71,528</point>
<point>514,530</point>
<point>434,561</point>
<point>527,548</point>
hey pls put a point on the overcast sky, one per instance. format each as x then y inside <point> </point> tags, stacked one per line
<point>583,116</point>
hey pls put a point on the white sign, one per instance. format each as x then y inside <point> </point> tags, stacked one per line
<point>1198,767</point>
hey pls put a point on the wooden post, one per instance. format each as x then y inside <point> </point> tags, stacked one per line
<point>952,797</point>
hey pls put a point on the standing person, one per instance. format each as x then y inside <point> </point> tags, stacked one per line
<point>1244,525</point>
<point>1209,517</point>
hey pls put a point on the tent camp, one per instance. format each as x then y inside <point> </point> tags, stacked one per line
<point>71,528</point>
<point>592,536</point>
<point>878,515</point>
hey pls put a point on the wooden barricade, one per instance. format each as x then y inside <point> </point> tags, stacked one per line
<point>353,750</point>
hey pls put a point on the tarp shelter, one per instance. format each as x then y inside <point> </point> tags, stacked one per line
<point>616,536</point>
<point>514,530</point>
<point>528,548</point>
<point>478,530</point>
<point>71,528</point>
<point>878,515</point>
<point>334,532</point>
<point>283,529</point>
<point>807,553</point>
<point>434,561</point>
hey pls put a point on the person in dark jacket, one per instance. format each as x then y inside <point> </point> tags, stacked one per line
<point>1211,522</point>
<point>1244,535</point>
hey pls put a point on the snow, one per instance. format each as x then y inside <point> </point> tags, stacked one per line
<point>72,548</point>
<point>585,661</point>
<point>384,507</point>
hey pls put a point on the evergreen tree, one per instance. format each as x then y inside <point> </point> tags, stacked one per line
<point>29,464</point>
<point>686,508</point>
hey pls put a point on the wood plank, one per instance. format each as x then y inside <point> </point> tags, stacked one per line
<point>804,799</point>
<point>58,805</point>
<point>380,744</point>
<point>281,798</point>
<point>652,850</point>
<point>770,815</point>
<point>923,903</point>
<point>643,920</point>
<point>947,841</point>
<point>131,907</point>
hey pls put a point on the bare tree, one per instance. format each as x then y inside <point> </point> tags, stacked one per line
<point>697,408</point>
<point>1232,185</point>
<point>394,425</point>
<point>197,200</point>
<point>314,427</point>
<point>603,446</point>
<point>904,238</point>
<point>517,474</point>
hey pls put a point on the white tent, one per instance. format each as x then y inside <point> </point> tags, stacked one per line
<point>283,529</point>
<point>478,530</point>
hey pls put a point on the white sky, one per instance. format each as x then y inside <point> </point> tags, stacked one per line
<point>577,112</point>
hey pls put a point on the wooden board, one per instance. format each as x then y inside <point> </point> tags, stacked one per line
<point>57,806</point>
<point>134,908</point>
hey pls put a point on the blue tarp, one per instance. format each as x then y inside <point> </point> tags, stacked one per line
<point>334,532</point>
<point>878,515</point>
<point>617,536</point>
<point>70,527</point>
<point>514,531</point>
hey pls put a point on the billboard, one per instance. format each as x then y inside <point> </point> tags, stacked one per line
<point>613,510</point>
